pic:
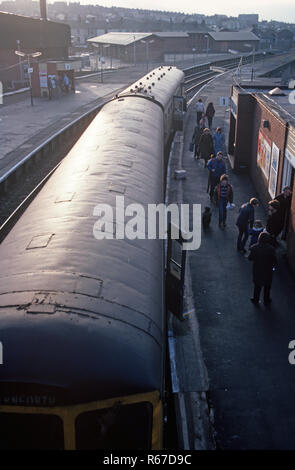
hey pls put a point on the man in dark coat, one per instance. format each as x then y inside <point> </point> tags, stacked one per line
<point>245,221</point>
<point>206,145</point>
<point>285,199</point>
<point>274,221</point>
<point>217,168</point>
<point>264,260</point>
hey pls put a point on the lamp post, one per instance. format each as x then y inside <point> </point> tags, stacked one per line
<point>134,51</point>
<point>147,51</point>
<point>21,75</point>
<point>101,72</point>
<point>105,46</point>
<point>253,59</point>
<point>207,49</point>
<point>29,55</point>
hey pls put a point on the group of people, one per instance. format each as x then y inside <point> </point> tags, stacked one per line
<point>205,144</point>
<point>202,115</point>
<point>58,85</point>
<point>263,240</point>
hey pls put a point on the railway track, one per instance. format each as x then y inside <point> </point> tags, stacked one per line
<point>26,178</point>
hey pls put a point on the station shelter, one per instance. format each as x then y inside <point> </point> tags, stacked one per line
<point>57,69</point>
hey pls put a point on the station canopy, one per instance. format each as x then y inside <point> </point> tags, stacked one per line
<point>121,39</point>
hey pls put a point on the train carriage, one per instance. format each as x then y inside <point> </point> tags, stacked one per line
<point>82,320</point>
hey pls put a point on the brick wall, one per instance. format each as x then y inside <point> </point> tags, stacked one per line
<point>275,133</point>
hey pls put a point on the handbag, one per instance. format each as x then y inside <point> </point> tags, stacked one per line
<point>191,147</point>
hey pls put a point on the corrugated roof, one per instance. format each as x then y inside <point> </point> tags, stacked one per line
<point>122,39</point>
<point>235,36</point>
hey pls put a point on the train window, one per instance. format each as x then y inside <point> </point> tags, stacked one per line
<point>119,427</point>
<point>30,431</point>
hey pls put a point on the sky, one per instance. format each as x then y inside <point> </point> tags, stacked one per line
<point>267,9</point>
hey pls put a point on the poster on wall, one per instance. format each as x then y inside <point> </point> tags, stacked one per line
<point>274,168</point>
<point>264,154</point>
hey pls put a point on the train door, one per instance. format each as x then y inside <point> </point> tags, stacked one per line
<point>175,274</point>
<point>178,112</point>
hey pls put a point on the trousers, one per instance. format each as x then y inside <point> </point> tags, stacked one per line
<point>257,291</point>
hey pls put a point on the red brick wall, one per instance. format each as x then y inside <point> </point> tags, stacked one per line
<point>275,133</point>
<point>291,235</point>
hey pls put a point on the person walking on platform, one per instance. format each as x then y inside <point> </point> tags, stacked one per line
<point>219,140</point>
<point>217,168</point>
<point>210,111</point>
<point>264,260</point>
<point>205,147</point>
<point>274,221</point>
<point>211,176</point>
<point>223,194</point>
<point>200,110</point>
<point>244,221</point>
<point>196,139</point>
<point>285,199</point>
<point>49,84</point>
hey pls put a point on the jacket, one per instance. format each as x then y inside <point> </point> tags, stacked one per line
<point>205,147</point>
<point>210,111</point>
<point>200,107</point>
<point>274,224</point>
<point>230,194</point>
<point>216,168</point>
<point>246,215</point>
<point>219,142</point>
<point>264,260</point>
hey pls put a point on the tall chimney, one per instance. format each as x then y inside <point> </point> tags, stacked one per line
<point>43,10</point>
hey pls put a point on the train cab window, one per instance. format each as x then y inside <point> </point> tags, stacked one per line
<point>119,427</point>
<point>28,431</point>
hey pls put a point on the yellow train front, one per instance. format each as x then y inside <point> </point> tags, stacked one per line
<point>82,319</point>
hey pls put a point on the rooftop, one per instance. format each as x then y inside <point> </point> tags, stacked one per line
<point>123,39</point>
<point>234,36</point>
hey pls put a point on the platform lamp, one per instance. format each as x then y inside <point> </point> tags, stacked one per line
<point>29,56</point>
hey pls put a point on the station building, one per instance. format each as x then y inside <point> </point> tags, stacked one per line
<point>29,35</point>
<point>240,41</point>
<point>262,142</point>
<point>134,47</point>
<point>129,47</point>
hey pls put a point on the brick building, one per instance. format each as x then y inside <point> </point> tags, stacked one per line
<point>242,41</point>
<point>48,37</point>
<point>262,142</point>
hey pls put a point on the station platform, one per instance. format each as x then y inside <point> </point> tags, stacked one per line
<point>226,348</point>
<point>23,127</point>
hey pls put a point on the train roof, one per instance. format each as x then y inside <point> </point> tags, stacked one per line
<point>161,83</point>
<point>79,312</point>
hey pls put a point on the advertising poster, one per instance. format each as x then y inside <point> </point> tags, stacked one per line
<point>264,154</point>
<point>274,168</point>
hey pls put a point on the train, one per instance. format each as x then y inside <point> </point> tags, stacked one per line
<point>82,319</point>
